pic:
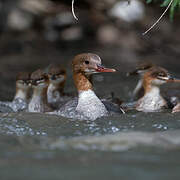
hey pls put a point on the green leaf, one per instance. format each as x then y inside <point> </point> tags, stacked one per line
<point>175,4</point>
<point>172,11</point>
<point>165,3</point>
<point>171,15</point>
<point>149,1</point>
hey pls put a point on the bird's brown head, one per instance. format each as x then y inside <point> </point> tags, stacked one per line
<point>56,74</point>
<point>23,79</point>
<point>141,68</point>
<point>88,63</point>
<point>84,65</point>
<point>39,78</point>
<point>157,76</point>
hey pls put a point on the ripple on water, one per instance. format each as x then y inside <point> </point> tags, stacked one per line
<point>119,133</point>
<point>50,125</point>
<point>11,126</point>
<point>121,141</point>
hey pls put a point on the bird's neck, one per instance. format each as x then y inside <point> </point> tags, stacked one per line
<point>151,90</point>
<point>21,93</point>
<point>56,87</point>
<point>40,94</point>
<point>82,82</point>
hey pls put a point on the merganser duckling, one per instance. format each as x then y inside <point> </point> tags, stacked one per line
<point>176,108</point>
<point>22,86</point>
<point>55,93</point>
<point>140,70</point>
<point>20,99</point>
<point>171,96</point>
<point>39,83</point>
<point>152,99</point>
<point>176,98</point>
<point>87,106</point>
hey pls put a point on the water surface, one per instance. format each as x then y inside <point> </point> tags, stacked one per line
<point>135,145</point>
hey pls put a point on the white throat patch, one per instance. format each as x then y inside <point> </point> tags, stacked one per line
<point>151,101</point>
<point>90,105</point>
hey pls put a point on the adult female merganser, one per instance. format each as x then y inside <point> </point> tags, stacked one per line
<point>152,99</point>
<point>39,83</point>
<point>21,97</point>
<point>87,106</point>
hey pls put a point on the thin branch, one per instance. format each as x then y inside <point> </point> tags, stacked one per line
<point>159,18</point>
<point>73,13</point>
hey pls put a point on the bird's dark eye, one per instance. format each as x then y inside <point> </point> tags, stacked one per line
<point>86,62</point>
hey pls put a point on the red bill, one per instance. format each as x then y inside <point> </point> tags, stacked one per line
<point>174,80</point>
<point>103,69</point>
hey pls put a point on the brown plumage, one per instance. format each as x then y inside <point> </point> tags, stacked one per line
<point>25,76</point>
<point>152,99</point>
<point>145,65</point>
<point>38,75</point>
<point>57,77</point>
<point>85,61</point>
<point>84,65</point>
<point>38,103</point>
<point>154,73</point>
<point>55,69</point>
<point>141,68</point>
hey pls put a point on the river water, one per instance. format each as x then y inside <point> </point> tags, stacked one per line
<point>134,145</point>
<point>131,146</point>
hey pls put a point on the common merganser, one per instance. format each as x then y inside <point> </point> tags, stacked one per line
<point>22,86</point>
<point>152,99</point>
<point>87,106</point>
<point>55,93</point>
<point>140,70</point>
<point>176,108</point>
<point>176,98</point>
<point>21,97</point>
<point>39,83</point>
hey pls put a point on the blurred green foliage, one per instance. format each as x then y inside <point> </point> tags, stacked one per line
<point>175,6</point>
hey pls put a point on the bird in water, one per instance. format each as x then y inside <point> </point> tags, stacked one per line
<point>39,82</point>
<point>152,99</point>
<point>55,93</point>
<point>140,70</point>
<point>87,105</point>
<point>21,98</point>
<point>176,98</point>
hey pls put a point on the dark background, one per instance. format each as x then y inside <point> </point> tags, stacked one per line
<point>33,36</point>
